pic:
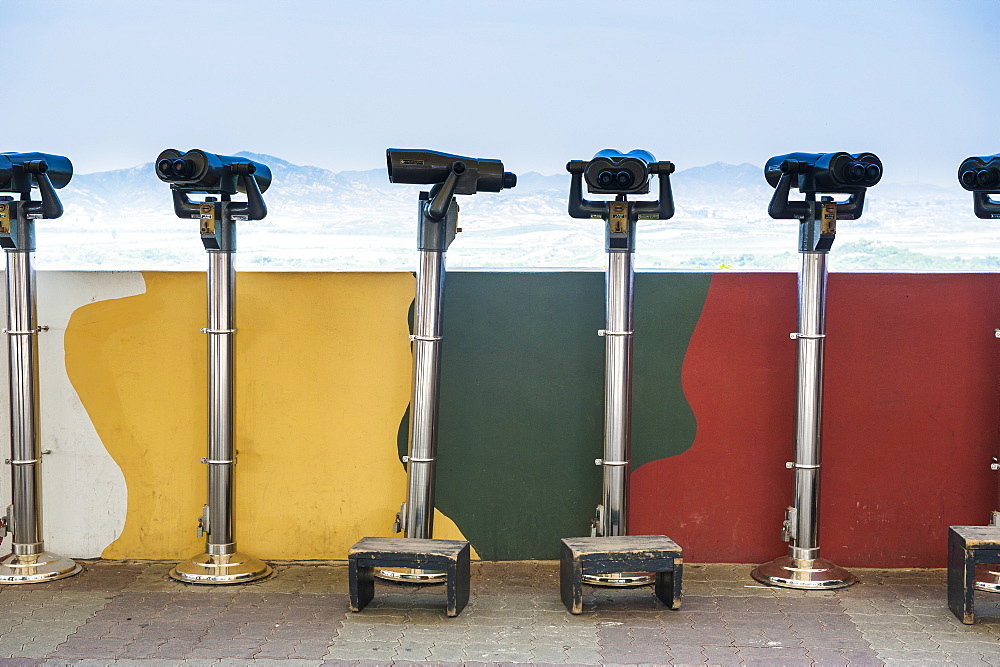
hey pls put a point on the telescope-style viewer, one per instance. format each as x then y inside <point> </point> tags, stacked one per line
<point>20,173</point>
<point>812,173</point>
<point>417,167</point>
<point>611,172</point>
<point>981,177</point>
<point>449,175</point>
<point>199,172</point>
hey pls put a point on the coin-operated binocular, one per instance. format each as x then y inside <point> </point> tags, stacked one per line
<point>611,172</point>
<point>21,174</point>
<point>449,175</point>
<point>981,177</point>
<point>198,171</point>
<point>812,174</point>
<point>193,172</point>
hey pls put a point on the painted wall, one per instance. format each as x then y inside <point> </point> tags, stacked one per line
<point>323,371</point>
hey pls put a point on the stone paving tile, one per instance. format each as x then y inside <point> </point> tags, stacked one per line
<point>139,616</point>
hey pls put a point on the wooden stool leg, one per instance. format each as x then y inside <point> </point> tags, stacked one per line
<point>451,606</point>
<point>668,587</point>
<point>571,581</point>
<point>961,579</point>
<point>361,581</point>
<point>462,583</point>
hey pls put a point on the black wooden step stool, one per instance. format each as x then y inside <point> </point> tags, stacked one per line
<point>451,556</point>
<point>657,554</point>
<point>968,546</point>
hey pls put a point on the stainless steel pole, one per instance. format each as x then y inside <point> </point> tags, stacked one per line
<point>221,563</point>
<point>617,394</point>
<point>28,562</point>
<point>416,517</point>
<point>422,452</point>
<point>612,514</point>
<point>802,567</point>
<point>221,454</point>
<point>809,400</point>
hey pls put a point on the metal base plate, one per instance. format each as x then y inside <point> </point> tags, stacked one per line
<point>412,575</point>
<point>813,574</point>
<point>988,579</point>
<point>36,568</point>
<point>619,579</point>
<point>235,568</point>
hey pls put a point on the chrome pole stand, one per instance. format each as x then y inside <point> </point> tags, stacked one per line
<point>611,518</point>
<point>415,519</point>
<point>28,562</point>
<point>221,563</point>
<point>803,568</point>
<point>620,216</point>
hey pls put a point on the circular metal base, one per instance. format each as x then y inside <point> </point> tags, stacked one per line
<point>811,574</point>
<point>988,580</point>
<point>235,568</point>
<point>36,568</point>
<point>619,579</point>
<point>412,575</point>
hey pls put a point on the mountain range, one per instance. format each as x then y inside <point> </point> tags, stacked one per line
<point>320,219</point>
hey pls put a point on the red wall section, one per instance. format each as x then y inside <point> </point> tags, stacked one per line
<point>911,415</point>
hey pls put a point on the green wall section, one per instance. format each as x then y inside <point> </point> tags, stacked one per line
<point>522,391</point>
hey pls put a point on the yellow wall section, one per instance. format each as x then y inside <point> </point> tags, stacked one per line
<point>322,381</point>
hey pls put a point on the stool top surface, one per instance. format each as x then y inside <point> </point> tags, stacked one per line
<point>408,545</point>
<point>978,535</point>
<point>621,543</point>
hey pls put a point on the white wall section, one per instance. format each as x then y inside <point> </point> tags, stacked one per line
<point>83,489</point>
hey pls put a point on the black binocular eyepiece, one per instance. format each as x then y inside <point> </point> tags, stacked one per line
<point>613,172</point>
<point>826,172</point>
<point>200,171</point>
<point>980,174</point>
<point>623,179</point>
<point>425,167</point>
<point>19,171</point>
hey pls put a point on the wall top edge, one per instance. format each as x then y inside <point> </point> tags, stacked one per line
<point>506,270</point>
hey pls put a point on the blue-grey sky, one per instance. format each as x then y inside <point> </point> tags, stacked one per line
<point>110,83</point>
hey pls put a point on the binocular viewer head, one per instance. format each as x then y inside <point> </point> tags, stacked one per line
<point>200,171</point>
<point>422,167</point>
<point>18,171</point>
<point>980,174</point>
<point>826,172</point>
<point>612,172</point>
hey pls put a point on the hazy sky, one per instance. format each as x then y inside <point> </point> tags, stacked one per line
<point>535,83</point>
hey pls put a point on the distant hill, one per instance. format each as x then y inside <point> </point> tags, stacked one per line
<point>358,220</point>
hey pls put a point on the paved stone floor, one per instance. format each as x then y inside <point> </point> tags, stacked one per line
<point>128,612</point>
